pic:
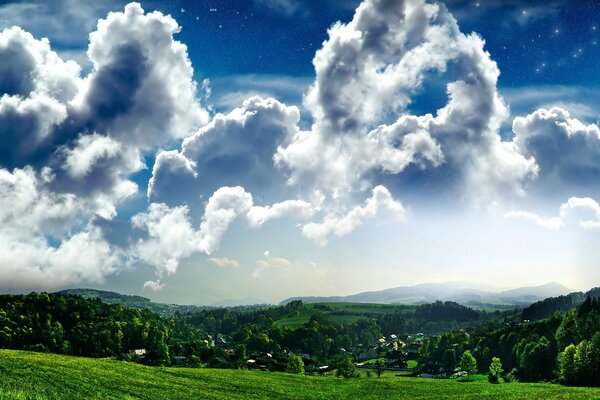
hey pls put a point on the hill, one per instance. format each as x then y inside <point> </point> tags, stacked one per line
<point>25,375</point>
<point>457,292</point>
<point>138,302</point>
<point>543,308</point>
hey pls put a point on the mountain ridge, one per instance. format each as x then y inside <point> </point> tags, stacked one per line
<point>451,291</point>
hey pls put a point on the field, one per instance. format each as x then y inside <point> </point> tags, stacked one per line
<point>341,312</point>
<point>25,375</point>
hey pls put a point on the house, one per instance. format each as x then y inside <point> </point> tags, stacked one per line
<point>140,353</point>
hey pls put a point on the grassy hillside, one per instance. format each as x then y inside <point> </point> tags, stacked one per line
<point>26,375</point>
<point>341,312</point>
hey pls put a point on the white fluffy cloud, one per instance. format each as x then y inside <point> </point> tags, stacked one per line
<point>73,143</point>
<point>224,262</point>
<point>566,149</point>
<point>344,224</point>
<point>171,235</point>
<point>141,88</point>
<point>586,205</point>
<point>367,73</point>
<point>155,286</point>
<point>31,217</point>
<point>233,149</point>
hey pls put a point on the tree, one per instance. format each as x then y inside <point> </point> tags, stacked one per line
<point>379,366</point>
<point>295,365</point>
<point>449,360</point>
<point>346,369</point>
<point>495,370</point>
<point>468,363</point>
<point>568,369</point>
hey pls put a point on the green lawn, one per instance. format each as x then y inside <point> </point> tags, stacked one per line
<point>25,375</point>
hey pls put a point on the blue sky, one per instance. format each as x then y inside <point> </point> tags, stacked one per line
<point>215,150</point>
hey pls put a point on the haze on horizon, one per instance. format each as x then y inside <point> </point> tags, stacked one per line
<point>201,151</point>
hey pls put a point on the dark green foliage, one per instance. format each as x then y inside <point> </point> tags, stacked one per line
<point>446,311</point>
<point>449,360</point>
<point>78,326</point>
<point>544,308</point>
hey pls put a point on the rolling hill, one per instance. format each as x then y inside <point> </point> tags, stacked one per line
<point>138,302</point>
<point>460,293</point>
<point>25,375</point>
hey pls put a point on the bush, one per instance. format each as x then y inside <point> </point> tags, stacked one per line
<point>295,365</point>
<point>346,369</point>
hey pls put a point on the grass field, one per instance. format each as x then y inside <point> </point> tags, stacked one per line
<point>25,375</point>
<point>342,312</point>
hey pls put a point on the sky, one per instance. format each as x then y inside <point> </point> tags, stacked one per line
<point>204,151</point>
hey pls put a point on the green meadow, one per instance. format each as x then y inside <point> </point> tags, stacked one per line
<point>25,375</point>
<point>345,313</point>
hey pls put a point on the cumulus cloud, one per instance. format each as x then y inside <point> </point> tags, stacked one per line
<point>344,224</point>
<point>224,262</point>
<point>233,149</point>
<point>565,149</point>
<point>582,204</point>
<point>172,237</point>
<point>367,73</point>
<point>155,286</point>
<point>37,249</point>
<point>70,144</point>
<point>135,62</point>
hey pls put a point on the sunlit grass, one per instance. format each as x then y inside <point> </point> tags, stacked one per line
<point>37,376</point>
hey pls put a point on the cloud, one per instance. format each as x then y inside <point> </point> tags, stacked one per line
<point>583,204</point>
<point>344,224</point>
<point>565,149</point>
<point>155,286</point>
<point>135,62</point>
<point>37,249</point>
<point>258,215</point>
<point>269,263</point>
<point>224,262</point>
<point>170,235</point>
<point>69,145</point>
<point>274,262</point>
<point>367,74</point>
<point>234,149</point>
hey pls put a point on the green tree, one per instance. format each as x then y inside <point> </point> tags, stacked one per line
<point>346,368</point>
<point>468,363</point>
<point>495,370</point>
<point>295,365</point>
<point>567,366</point>
<point>449,360</point>
<point>379,366</point>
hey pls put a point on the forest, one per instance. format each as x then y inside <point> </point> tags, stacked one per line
<point>435,337</point>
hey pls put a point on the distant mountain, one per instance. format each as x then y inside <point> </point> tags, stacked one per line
<point>458,292</point>
<point>139,302</point>
<point>535,293</point>
<point>249,301</point>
